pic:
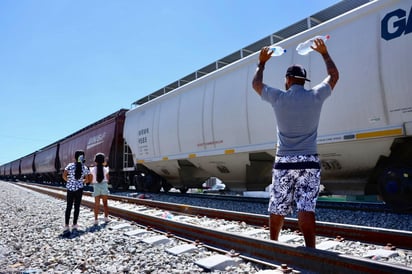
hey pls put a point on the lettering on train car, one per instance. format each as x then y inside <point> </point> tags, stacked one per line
<point>330,164</point>
<point>143,140</point>
<point>402,110</point>
<point>96,140</point>
<point>143,135</point>
<point>396,23</point>
<point>210,143</point>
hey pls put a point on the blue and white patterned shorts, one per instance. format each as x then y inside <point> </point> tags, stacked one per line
<point>295,182</point>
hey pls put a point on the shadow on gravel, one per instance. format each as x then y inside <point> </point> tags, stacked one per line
<point>78,232</point>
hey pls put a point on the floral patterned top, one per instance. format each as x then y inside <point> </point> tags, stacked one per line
<point>73,184</point>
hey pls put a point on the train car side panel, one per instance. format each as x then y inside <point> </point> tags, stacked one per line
<point>45,161</point>
<point>165,133</point>
<point>26,166</point>
<point>396,32</point>
<point>68,148</point>
<point>98,138</point>
<point>15,168</point>
<point>7,170</point>
<point>260,120</point>
<point>207,121</point>
<point>229,109</point>
<point>139,132</point>
<point>190,127</point>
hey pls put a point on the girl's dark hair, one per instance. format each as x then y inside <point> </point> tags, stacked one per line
<point>79,156</point>
<point>99,159</point>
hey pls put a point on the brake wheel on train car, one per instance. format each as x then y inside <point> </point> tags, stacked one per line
<point>395,186</point>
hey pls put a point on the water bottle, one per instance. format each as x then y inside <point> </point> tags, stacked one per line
<point>277,51</point>
<point>305,47</point>
<point>167,215</point>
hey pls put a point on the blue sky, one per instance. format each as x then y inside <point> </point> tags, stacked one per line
<point>66,64</point>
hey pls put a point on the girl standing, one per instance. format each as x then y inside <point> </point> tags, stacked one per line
<point>75,174</point>
<point>100,174</point>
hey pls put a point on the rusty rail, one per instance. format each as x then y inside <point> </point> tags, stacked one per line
<point>402,239</point>
<point>263,250</point>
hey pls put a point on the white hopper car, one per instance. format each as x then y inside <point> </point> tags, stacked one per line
<point>217,126</point>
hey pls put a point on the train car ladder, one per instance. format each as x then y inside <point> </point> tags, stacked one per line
<point>127,154</point>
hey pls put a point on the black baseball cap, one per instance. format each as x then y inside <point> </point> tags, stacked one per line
<point>297,71</point>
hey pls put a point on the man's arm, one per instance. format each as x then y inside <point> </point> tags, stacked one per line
<point>333,73</point>
<point>257,82</point>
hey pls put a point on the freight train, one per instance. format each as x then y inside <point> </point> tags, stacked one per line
<point>212,124</point>
<point>47,164</point>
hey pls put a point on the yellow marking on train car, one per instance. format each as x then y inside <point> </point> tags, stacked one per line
<point>165,158</point>
<point>192,155</point>
<point>229,151</point>
<point>380,133</point>
<point>140,161</point>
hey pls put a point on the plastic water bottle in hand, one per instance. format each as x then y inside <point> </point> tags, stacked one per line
<point>277,51</point>
<point>305,47</point>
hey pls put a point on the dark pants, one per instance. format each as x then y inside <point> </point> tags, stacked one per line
<point>76,198</point>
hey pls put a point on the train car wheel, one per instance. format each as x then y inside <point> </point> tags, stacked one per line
<point>183,189</point>
<point>166,186</point>
<point>395,186</point>
<point>137,182</point>
<point>115,184</point>
<point>155,187</point>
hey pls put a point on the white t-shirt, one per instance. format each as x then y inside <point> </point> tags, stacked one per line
<point>93,171</point>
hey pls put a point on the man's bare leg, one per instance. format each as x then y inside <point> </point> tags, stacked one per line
<point>275,225</point>
<point>306,220</point>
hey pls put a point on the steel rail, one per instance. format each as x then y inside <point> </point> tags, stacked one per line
<point>258,249</point>
<point>379,236</point>
<point>264,250</point>
<point>402,239</point>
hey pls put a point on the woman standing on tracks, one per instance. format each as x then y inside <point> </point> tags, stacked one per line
<point>100,180</point>
<point>75,174</point>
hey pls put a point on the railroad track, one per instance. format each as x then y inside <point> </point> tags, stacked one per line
<point>196,224</point>
<point>348,205</point>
